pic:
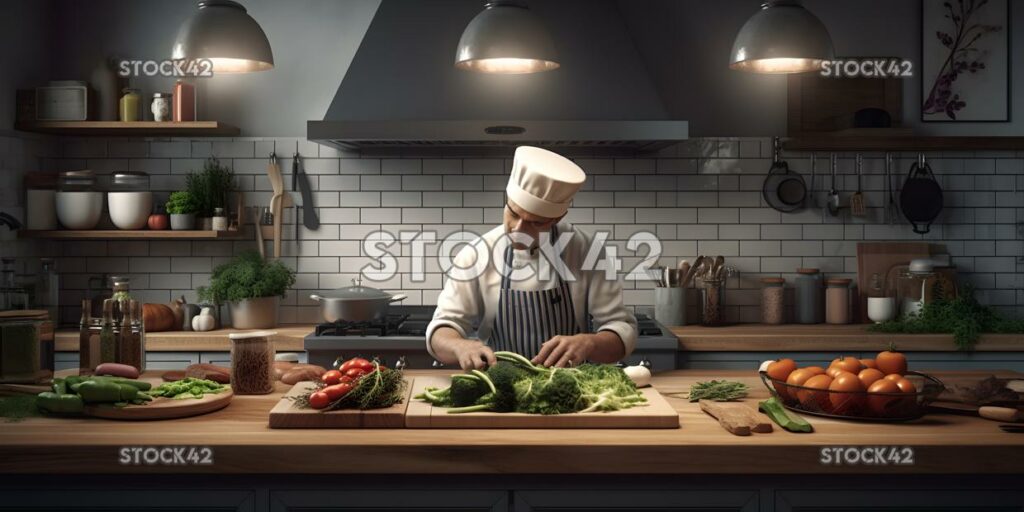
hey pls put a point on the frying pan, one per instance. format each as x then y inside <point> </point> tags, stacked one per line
<point>921,198</point>
<point>783,189</point>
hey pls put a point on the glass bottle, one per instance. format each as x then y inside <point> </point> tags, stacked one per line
<point>108,338</point>
<point>130,350</point>
<point>86,354</point>
<point>48,290</point>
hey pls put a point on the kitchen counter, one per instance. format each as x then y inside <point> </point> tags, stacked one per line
<point>826,338</point>
<point>288,339</point>
<point>241,442</point>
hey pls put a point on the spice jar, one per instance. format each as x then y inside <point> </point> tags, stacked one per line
<point>712,300</point>
<point>252,362</point>
<point>88,340</point>
<point>132,347</point>
<point>108,334</point>
<point>129,105</point>
<point>220,220</point>
<point>809,297</point>
<point>773,300</point>
<point>161,106</point>
<point>837,301</point>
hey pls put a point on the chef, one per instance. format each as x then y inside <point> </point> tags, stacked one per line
<point>561,317</point>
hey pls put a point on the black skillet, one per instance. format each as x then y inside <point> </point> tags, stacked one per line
<point>921,198</point>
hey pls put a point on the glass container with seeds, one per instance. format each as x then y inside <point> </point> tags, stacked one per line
<point>132,347</point>
<point>712,300</point>
<point>252,362</point>
<point>773,301</point>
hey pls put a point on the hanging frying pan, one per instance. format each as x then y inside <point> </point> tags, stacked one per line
<point>921,197</point>
<point>783,189</point>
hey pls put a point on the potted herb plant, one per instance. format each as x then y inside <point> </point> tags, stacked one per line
<point>210,188</point>
<point>182,207</point>
<point>252,287</point>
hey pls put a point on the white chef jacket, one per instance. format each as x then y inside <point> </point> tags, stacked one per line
<point>464,304</point>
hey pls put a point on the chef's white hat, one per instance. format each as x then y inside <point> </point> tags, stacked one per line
<point>543,183</point>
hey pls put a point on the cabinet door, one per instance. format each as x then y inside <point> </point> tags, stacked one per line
<point>170,360</point>
<point>625,501</point>
<point>65,360</point>
<point>217,358</point>
<point>134,500</point>
<point>390,501</point>
<point>890,500</point>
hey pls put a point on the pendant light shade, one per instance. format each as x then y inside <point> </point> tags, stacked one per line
<point>222,31</point>
<point>506,38</point>
<point>782,37</point>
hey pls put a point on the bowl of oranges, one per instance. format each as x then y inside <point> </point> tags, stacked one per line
<point>879,389</point>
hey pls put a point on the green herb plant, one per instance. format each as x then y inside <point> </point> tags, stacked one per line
<point>963,317</point>
<point>210,187</point>
<point>718,391</point>
<point>181,203</point>
<point>248,276</point>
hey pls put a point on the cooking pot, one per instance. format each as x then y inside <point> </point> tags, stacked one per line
<point>355,303</point>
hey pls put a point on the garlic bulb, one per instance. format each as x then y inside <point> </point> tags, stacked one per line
<point>640,375</point>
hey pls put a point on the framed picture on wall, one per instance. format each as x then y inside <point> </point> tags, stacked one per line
<point>965,60</point>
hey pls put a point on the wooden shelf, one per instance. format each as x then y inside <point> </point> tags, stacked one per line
<point>901,143</point>
<point>289,338</point>
<point>100,234</point>
<point>132,128</point>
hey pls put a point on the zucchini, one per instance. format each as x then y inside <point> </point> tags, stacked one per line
<point>774,410</point>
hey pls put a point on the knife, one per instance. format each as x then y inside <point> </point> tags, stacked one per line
<point>309,218</point>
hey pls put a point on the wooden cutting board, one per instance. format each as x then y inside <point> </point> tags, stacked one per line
<point>287,415</point>
<point>163,408</point>
<point>876,259</point>
<point>656,414</point>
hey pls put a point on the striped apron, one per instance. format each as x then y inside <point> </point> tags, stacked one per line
<point>525,319</point>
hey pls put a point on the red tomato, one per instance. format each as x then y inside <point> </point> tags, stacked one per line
<point>356,362</point>
<point>337,391</point>
<point>331,377</point>
<point>319,400</point>
<point>355,373</point>
<point>158,222</point>
<point>345,379</point>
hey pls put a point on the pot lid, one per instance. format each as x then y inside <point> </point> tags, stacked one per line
<point>356,291</point>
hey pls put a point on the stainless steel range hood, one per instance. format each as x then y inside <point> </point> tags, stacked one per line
<point>402,90</point>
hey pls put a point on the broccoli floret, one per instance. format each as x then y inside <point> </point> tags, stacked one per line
<point>558,392</point>
<point>467,389</point>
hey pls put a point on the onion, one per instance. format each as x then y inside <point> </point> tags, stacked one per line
<point>640,375</point>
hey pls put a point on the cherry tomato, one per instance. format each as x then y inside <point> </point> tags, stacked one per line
<point>319,400</point>
<point>345,379</point>
<point>337,391</point>
<point>355,373</point>
<point>331,377</point>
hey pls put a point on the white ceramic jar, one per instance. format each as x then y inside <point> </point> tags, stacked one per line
<point>130,201</point>
<point>79,205</point>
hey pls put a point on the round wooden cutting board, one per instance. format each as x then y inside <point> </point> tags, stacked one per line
<point>163,408</point>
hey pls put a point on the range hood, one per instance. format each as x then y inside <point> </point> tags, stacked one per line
<point>403,91</point>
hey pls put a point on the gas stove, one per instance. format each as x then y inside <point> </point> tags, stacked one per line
<point>400,336</point>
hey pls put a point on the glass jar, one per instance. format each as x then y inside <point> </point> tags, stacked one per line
<point>47,285</point>
<point>161,106</point>
<point>220,220</point>
<point>121,287</point>
<point>184,102</point>
<point>25,357</point>
<point>130,200</point>
<point>131,350</point>
<point>809,295</point>
<point>128,106</point>
<point>40,201</point>
<point>773,300</point>
<point>914,285</point>
<point>837,301</point>
<point>712,302</point>
<point>252,363</point>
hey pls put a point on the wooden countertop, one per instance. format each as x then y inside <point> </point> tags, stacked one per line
<point>288,339</point>
<point>241,442</point>
<point>826,338</point>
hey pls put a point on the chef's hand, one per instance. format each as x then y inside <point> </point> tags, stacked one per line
<point>474,355</point>
<point>561,350</point>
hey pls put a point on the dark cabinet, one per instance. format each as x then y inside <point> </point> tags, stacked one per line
<point>185,499</point>
<point>389,501</point>
<point>626,501</point>
<point>891,500</point>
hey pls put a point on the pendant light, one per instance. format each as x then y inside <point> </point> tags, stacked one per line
<point>506,38</point>
<point>782,37</point>
<point>222,31</point>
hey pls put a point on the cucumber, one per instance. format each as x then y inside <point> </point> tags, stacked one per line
<point>774,410</point>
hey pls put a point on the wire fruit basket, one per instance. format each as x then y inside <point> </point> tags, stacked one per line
<point>858,405</point>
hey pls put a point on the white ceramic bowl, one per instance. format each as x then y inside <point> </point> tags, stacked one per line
<point>881,309</point>
<point>130,210</point>
<point>79,209</point>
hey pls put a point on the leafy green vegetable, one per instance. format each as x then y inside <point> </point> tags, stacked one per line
<point>718,390</point>
<point>210,187</point>
<point>963,317</point>
<point>181,202</point>
<point>17,408</point>
<point>517,385</point>
<point>187,388</point>
<point>248,276</point>
<point>376,390</point>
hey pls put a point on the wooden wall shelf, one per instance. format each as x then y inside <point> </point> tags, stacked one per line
<point>102,234</point>
<point>132,128</point>
<point>901,143</point>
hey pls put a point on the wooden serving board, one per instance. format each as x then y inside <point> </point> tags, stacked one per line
<point>163,408</point>
<point>656,414</point>
<point>287,415</point>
